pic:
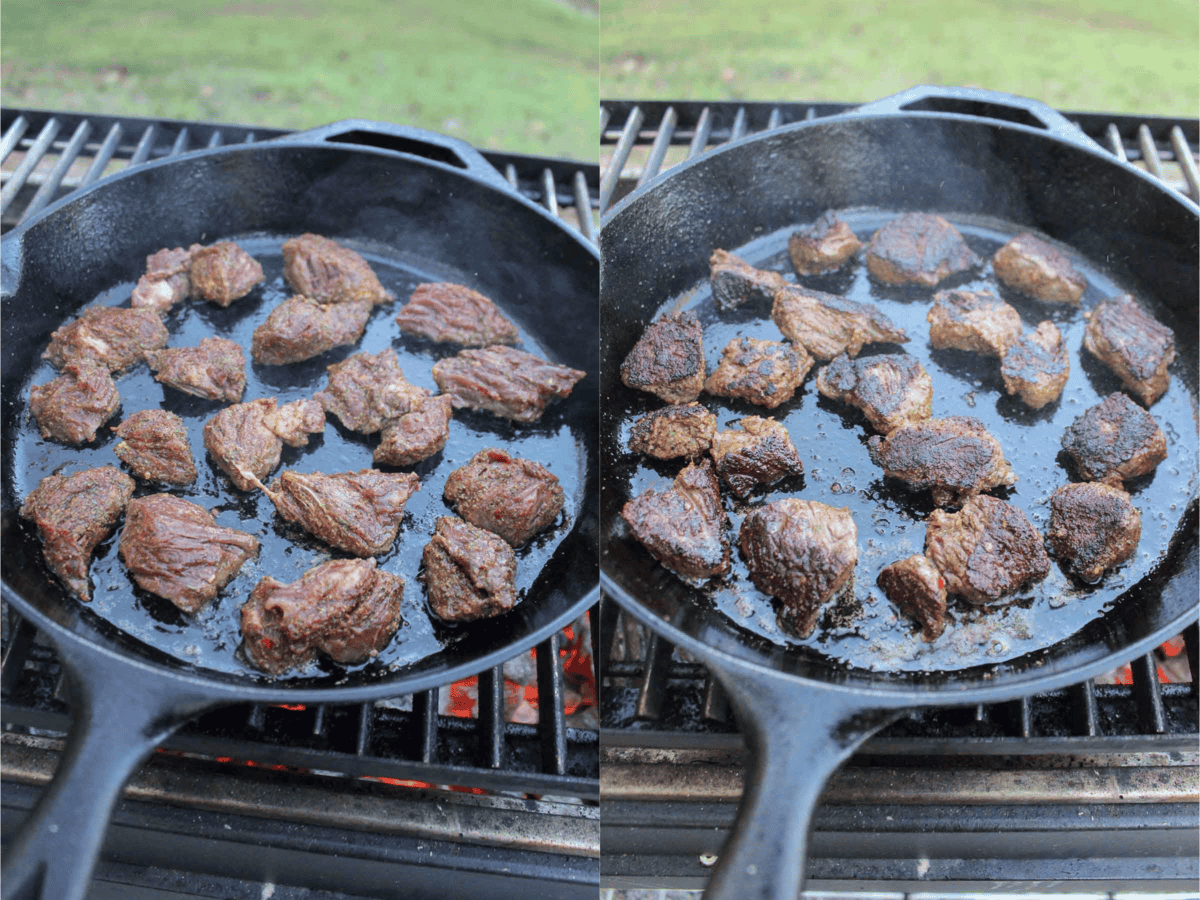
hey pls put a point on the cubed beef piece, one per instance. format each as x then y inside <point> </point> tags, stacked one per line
<point>508,383</point>
<point>824,246</point>
<point>416,435</point>
<point>512,497</point>
<point>735,282</point>
<point>71,407</point>
<point>1135,346</point>
<point>215,370</point>
<point>154,444</point>
<point>109,336</point>
<point>1036,367</point>
<point>223,273</point>
<point>300,328</point>
<point>890,389</point>
<point>470,573</point>
<point>765,373</point>
<point>758,453</point>
<point>679,430</point>
<point>321,269</point>
<point>668,359</point>
<point>365,391</point>
<point>826,325</point>
<point>919,590</point>
<point>1114,441</point>
<point>1093,527</point>
<point>972,320</point>
<point>920,249</point>
<point>455,314</point>
<point>1030,265</point>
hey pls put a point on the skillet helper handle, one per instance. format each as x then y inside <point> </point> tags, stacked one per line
<point>405,139</point>
<point>985,105</point>
<point>796,738</point>
<point>115,726</point>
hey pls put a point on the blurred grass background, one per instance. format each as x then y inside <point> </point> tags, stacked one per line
<point>1109,55</point>
<point>518,75</point>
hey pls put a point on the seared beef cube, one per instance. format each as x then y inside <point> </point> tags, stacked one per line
<point>953,458</point>
<point>673,431</point>
<point>668,359</point>
<point>512,497</point>
<point>919,248</point>
<point>986,550</point>
<point>154,444</point>
<point>166,281</point>
<point>734,281</point>
<point>972,320</point>
<point>367,391</point>
<point>825,245</point>
<point>509,383</point>
<point>322,270</point>
<point>1136,347</point>
<point>108,336</point>
<point>175,550</point>
<point>72,406</point>
<point>801,552</point>
<point>246,439</point>
<point>1036,366</point>
<point>455,314</point>
<point>766,373</point>
<point>470,573</point>
<point>300,328</point>
<point>416,435</point>
<point>74,513</point>
<point>758,455</point>
<point>890,389</point>
<point>684,527</point>
<point>826,325</point>
<point>345,608</point>
<point>919,589</point>
<point>1030,265</point>
<point>215,370</point>
<point>224,272</point>
<point>1114,441</point>
<point>1093,527</point>
<point>358,512</point>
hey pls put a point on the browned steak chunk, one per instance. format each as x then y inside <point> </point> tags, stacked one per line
<point>668,359</point>
<point>919,248</point>
<point>1136,347</point>
<point>890,389</point>
<point>919,589</point>
<point>1030,265</point>
<point>321,269</point>
<point>972,320</point>
<point>367,391</point>
<point>512,497</point>
<point>345,608</point>
<point>109,336</point>
<point>416,435</point>
<point>766,373</point>
<point>1093,527</point>
<point>358,512</point>
<point>509,383</point>
<point>166,281</point>
<point>673,431</point>
<point>74,513</point>
<point>987,550</point>
<point>455,314</point>
<point>246,439</point>
<point>299,329</point>
<point>1036,366</point>
<point>470,573</point>
<point>223,273</point>
<point>154,444</point>
<point>71,407</point>
<point>826,325</point>
<point>175,550</point>
<point>684,527</point>
<point>735,282</point>
<point>801,552</point>
<point>825,245</point>
<point>1114,441</point>
<point>215,370</point>
<point>758,454</point>
<point>953,458</point>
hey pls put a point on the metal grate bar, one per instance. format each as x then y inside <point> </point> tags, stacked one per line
<point>1183,156</point>
<point>104,155</point>
<point>1148,695</point>
<point>142,152</point>
<point>320,714</point>
<point>215,141</point>
<point>662,141</point>
<point>1149,152</point>
<point>181,143</point>
<point>549,192</point>
<point>775,119</point>
<point>702,133</point>
<point>1115,144</point>
<point>739,124</point>
<point>257,718</point>
<point>654,680</point>
<point>425,706</point>
<point>13,136</point>
<point>510,175</point>
<point>1084,711</point>
<point>1020,716</point>
<point>583,207</point>
<point>364,733</point>
<point>12,663</point>
<point>551,720</point>
<point>33,156</point>
<point>625,144</point>
<point>50,186</point>
<point>716,703</point>
<point>491,718</point>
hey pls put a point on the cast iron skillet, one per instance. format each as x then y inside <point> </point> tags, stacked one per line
<point>420,207</point>
<point>995,165</point>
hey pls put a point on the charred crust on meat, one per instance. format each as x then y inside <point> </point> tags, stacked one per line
<point>680,430</point>
<point>1036,366</point>
<point>1114,441</point>
<point>1035,268</point>
<point>826,325</point>
<point>919,249</point>
<point>757,453</point>
<point>826,245</point>
<point>668,359</point>
<point>1094,527</point>
<point>765,373</point>
<point>919,590</point>
<point>889,389</point>
<point>735,282</point>
<point>977,321</point>
<point>1137,348</point>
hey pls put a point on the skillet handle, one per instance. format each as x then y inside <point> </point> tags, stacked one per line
<point>985,105</point>
<point>406,140</point>
<point>115,726</point>
<point>797,737</point>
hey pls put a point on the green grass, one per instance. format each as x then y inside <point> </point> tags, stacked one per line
<point>1112,55</point>
<point>517,75</point>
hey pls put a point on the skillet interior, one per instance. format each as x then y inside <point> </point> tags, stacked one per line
<point>413,223</point>
<point>992,182</point>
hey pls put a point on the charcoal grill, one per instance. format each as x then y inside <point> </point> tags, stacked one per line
<point>362,801</point>
<point>1088,789</point>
